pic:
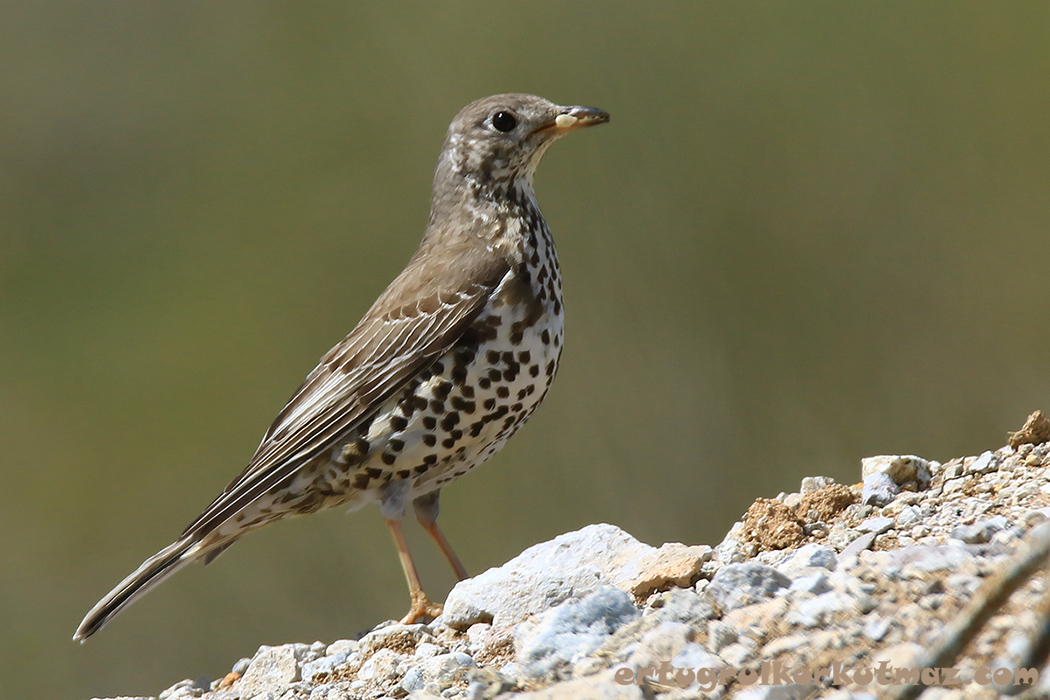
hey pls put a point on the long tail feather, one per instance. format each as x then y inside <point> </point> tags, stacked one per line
<point>152,571</point>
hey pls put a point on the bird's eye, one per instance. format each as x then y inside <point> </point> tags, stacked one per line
<point>504,121</point>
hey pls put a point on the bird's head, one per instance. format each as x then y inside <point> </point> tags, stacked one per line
<point>498,141</point>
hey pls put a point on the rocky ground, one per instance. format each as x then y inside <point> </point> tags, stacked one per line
<point>828,592</point>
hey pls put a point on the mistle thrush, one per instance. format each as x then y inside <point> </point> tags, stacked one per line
<point>447,364</point>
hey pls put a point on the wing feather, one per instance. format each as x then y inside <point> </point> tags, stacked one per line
<point>388,348</point>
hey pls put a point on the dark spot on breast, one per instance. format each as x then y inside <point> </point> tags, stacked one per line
<point>545,336</point>
<point>449,421</point>
<point>373,473</point>
<point>397,445</point>
<point>388,458</point>
<point>497,414</point>
<point>467,391</point>
<point>534,370</point>
<point>429,439</point>
<point>442,390</point>
<point>494,375</point>
<point>524,356</point>
<point>437,407</point>
<point>404,474</point>
<point>489,404</point>
<point>398,423</point>
<point>429,422</point>
<point>492,356</point>
<point>484,383</point>
<point>502,392</point>
<point>430,459</point>
<point>461,405</point>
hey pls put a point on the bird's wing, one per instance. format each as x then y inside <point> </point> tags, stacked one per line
<point>409,327</point>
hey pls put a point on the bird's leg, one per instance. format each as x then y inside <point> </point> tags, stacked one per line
<point>426,508</point>
<point>422,607</point>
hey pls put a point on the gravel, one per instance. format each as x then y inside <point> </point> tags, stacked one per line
<point>855,575</point>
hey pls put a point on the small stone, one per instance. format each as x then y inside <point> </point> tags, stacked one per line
<point>548,573</point>
<point>810,555</point>
<point>902,469</point>
<point>986,462</point>
<point>441,671</point>
<point>879,489</point>
<point>858,545</point>
<point>908,516</point>
<point>270,668</point>
<point>547,645</point>
<point>732,551</point>
<point>1036,430</point>
<point>818,529</point>
<point>813,584</point>
<point>981,531</point>
<point>426,650</point>
<point>876,525</point>
<point>877,627</point>
<point>737,585</point>
<point>381,666</point>
<point>815,483</point>
<point>673,564</point>
<point>338,647</point>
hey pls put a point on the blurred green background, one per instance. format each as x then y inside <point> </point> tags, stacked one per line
<point>812,232</point>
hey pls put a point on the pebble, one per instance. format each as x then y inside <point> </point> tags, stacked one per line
<point>878,490</point>
<point>546,646</point>
<point>981,531</point>
<point>737,585</point>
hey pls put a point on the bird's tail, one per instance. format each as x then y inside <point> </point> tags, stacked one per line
<point>152,571</point>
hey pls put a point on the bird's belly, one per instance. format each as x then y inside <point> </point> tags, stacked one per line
<point>450,418</point>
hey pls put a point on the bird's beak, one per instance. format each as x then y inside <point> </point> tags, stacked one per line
<point>573,118</point>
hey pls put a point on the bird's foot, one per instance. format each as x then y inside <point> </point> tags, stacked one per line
<point>422,610</point>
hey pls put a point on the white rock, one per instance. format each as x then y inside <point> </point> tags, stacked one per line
<point>547,574</point>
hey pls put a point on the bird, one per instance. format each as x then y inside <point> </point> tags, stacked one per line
<point>447,364</point>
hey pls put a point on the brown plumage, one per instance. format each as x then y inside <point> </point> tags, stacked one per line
<point>450,360</point>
